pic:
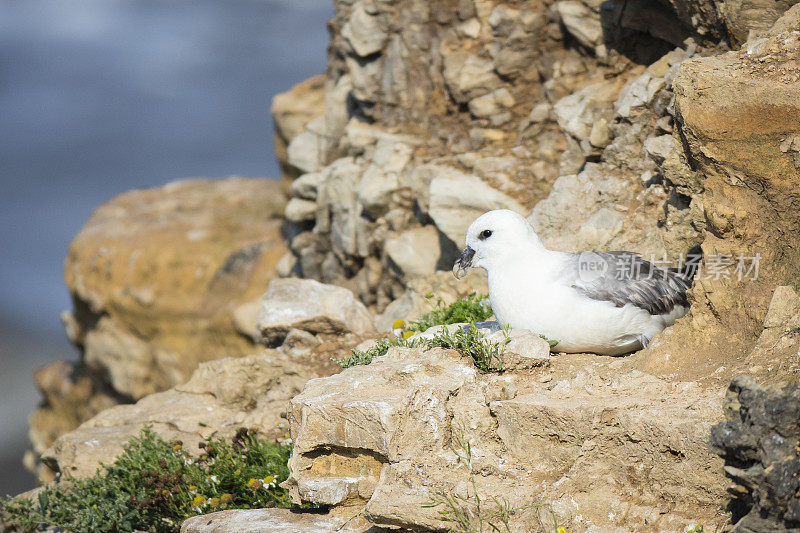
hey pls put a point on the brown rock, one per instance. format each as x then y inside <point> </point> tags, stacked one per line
<point>156,277</point>
<point>736,114</point>
<point>291,111</point>
<point>221,396</point>
<point>604,449</point>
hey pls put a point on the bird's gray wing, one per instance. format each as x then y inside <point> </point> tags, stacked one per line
<point>625,278</point>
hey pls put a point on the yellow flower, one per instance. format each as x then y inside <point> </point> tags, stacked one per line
<point>192,488</point>
<point>398,324</point>
<point>254,483</point>
<point>561,529</point>
<point>269,479</point>
<point>407,335</point>
<point>198,500</point>
<point>213,502</point>
<point>176,447</point>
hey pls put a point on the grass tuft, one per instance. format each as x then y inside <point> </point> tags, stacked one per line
<point>471,308</point>
<point>155,485</point>
<point>469,342</point>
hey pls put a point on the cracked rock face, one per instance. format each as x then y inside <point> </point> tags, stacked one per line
<point>760,442</point>
<point>381,436</point>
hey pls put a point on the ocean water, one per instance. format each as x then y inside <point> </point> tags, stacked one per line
<point>102,96</point>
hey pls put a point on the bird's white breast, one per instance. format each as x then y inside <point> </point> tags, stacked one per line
<point>526,295</point>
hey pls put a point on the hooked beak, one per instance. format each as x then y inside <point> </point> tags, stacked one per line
<point>464,263</point>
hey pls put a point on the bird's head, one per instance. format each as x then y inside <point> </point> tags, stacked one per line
<point>491,238</point>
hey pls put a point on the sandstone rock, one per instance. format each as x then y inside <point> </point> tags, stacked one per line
<point>578,112</point>
<point>305,151</point>
<point>291,111</point>
<point>455,201</point>
<point>489,105</point>
<point>299,210</point>
<point>375,190</point>
<point>220,397</point>
<point>415,252</point>
<point>310,306</point>
<point>380,436</point>
<point>273,521</point>
<point>157,276</point>
<point>745,17</point>
<point>469,76</point>
<point>734,114</point>
<point>784,305</point>
<point>638,94</point>
<point>306,186</point>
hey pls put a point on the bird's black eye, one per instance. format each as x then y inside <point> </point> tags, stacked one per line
<point>485,234</point>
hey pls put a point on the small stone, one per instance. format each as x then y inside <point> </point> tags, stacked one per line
<point>510,391</point>
<point>470,28</point>
<point>311,306</point>
<point>784,305</point>
<point>299,210</point>
<point>306,185</point>
<point>583,23</point>
<point>415,252</point>
<point>364,32</point>
<point>600,136</point>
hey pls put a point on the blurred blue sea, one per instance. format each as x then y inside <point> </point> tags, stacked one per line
<point>101,96</point>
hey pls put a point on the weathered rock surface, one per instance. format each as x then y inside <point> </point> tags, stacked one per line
<point>736,117</point>
<point>156,278</point>
<point>220,397</point>
<point>274,521</point>
<point>308,305</point>
<point>760,442</point>
<point>292,111</point>
<point>577,440</point>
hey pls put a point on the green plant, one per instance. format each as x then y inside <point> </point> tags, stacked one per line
<point>470,342</point>
<point>470,513</point>
<point>471,308</point>
<point>154,485</point>
<point>365,357</point>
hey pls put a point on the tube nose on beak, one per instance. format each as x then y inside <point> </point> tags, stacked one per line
<point>464,263</point>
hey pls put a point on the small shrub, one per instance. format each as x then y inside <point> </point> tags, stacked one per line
<point>155,485</point>
<point>471,308</point>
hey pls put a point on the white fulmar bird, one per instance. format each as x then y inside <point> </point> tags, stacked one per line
<point>608,303</point>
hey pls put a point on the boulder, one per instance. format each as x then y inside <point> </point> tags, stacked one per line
<point>156,278</point>
<point>311,306</point>
<point>736,119</point>
<point>744,18</point>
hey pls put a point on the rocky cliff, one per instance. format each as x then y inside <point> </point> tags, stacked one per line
<point>668,128</point>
